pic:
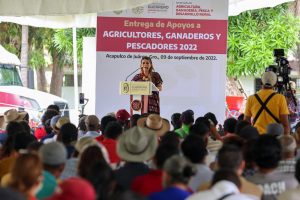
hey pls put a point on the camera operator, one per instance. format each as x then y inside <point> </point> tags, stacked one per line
<point>267,106</point>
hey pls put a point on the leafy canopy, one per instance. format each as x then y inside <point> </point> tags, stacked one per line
<point>253,35</point>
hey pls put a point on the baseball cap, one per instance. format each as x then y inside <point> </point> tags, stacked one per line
<point>53,153</point>
<point>269,78</point>
<point>74,188</point>
<point>122,115</point>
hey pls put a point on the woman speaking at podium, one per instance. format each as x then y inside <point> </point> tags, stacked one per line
<point>147,73</point>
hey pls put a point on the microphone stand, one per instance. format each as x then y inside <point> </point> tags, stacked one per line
<point>131,73</point>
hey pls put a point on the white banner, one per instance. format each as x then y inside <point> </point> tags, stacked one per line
<point>187,43</point>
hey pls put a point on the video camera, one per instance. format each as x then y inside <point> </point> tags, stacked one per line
<point>282,69</point>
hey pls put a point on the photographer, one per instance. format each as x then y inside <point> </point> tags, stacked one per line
<point>267,106</point>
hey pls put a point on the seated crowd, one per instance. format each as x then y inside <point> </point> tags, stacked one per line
<point>126,157</point>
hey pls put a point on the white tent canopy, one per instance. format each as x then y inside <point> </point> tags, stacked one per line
<point>8,58</point>
<point>82,13</point>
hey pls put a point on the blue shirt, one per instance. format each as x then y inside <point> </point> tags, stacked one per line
<point>170,193</point>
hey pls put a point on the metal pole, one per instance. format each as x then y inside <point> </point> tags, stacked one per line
<point>76,97</point>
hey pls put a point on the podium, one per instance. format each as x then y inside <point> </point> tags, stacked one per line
<point>139,92</point>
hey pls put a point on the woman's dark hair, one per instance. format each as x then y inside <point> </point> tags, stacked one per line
<point>101,176</point>
<point>171,138</point>
<point>240,125</point>
<point>53,107</point>
<point>113,130</point>
<point>48,115</point>
<point>26,126</point>
<point>194,148</point>
<point>68,133</point>
<point>163,152</point>
<point>88,158</point>
<point>12,129</point>
<point>105,120</point>
<point>133,119</point>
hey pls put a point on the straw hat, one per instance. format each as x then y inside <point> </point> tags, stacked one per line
<point>11,115</point>
<point>61,121</point>
<point>154,122</point>
<point>137,144</point>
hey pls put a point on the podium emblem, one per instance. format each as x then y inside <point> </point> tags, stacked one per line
<point>125,88</point>
<point>136,105</point>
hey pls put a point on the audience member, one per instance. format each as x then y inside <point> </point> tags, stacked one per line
<point>68,136</point>
<point>60,122</point>
<point>152,181</point>
<point>229,127</point>
<point>75,189</point>
<point>292,194</point>
<point>155,123</point>
<point>123,117</point>
<point>248,133</point>
<point>225,185</point>
<point>41,130</point>
<point>133,120</point>
<point>177,172</point>
<point>92,126</point>
<point>194,148</point>
<point>20,141</point>
<point>175,121</point>
<point>54,156</point>
<point>109,140</point>
<point>275,129</point>
<point>105,120</point>
<point>231,157</point>
<point>26,175</point>
<point>170,138</point>
<point>288,159</point>
<point>267,154</point>
<point>240,125</point>
<point>135,146</point>
<point>52,131</point>
<point>70,169</point>
<point>11,194</point>
<point>89,156</point>
<point>187,120</point>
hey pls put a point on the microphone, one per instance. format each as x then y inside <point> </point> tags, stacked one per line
<point>131,73</point>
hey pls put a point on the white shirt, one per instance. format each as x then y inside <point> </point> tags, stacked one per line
<point>219,190</point>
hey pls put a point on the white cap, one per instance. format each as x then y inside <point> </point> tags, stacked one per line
<point>269,78</point>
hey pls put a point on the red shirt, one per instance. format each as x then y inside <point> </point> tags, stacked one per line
<point>111,147</point>
<point>149,183</point>
<point>40,132</point>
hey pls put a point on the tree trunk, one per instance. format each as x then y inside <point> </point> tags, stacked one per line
<point>24,56</point>
<point>57,76</point>
<point>41,79</point>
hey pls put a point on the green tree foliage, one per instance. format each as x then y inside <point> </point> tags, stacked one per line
<point>253,35</point>
<point>63,40</point>
<point>10,37</point>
